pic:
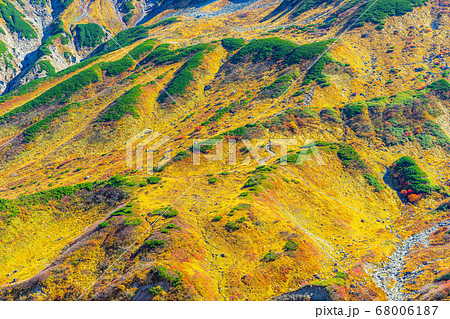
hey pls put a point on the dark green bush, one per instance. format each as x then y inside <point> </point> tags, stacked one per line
<point>352,109</point>
<point>89,35</point>
<point>440,86</point>
<point>183,78</point>
<point>162,273</point>
<point>47,67</point>
<point>306,52</point>
<point>279,86</point>
<point>142,48</point>
<point>219,114</point>
<point>30,133</point>
<point>14,20</point>
<point>153,180</point>
<point>103,224</point>
<point>405,174</point>
<point>122,211</point>
<point>129,36</point>
<point>291,246</point>
<point>231,44</point>
<point>126,104</point>
<point>373,181</point>
<point>59,93</point>
<point>119,180</point>
<point>230,226</point>
<point>181,155</point>
<point>270,256</point>
<point>122,39</point>
<point>445,277</point>
<point>376,11</point>
<point>76,67</point>
<point>263,49</point>
<point>350,158</point>
<point>154,243</point>
<point>117,67</point>
<point>167,212</point>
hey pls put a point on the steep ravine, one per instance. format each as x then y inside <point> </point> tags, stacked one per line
<point>390,277</point>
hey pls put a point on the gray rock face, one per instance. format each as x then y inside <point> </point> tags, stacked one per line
<point>23,54</point>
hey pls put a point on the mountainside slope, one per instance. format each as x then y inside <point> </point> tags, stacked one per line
<point>363,191</point>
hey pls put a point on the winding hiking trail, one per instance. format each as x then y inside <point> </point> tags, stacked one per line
<point>390,277</point>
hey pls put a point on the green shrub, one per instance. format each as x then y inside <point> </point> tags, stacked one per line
<point>159,169</point>
<point>120,180</point>
<point>183,78</point>
<point>117,67</point>
<point>219,114</point>
<point>350,158</point>
<point>353,109</point>
<point>291,246</point>
<point>142,48</point>
<point>231,44</point>
<point>155,243</point>
<point>441,86</point>
<point>163,22</point>
<point>162,273</point>
<point>76,67</point>
<point>129,36</point>
<point>212,180</point>
<point>164,55</point>
<point>216,218</point>
<point>306,52</point>
<point>330,115</point>
<point>66,3</point>
<point>280,86</point>
<point>445,277</point>
<point>153,180</point>
<point>167,212</point>
<point>270,256</point>
<point>373,181</point>
<point>242,206</point>
<point>103,224</point>
<point>47,67</point>
<point>263,49</point>
<point>31,132</point>
<point>126,104</point>
<point>155,291</point>
<point>122,39</point>
<point>230,226</point>
<point>89,35</point>
<point>181,155</point>
<point>122,211</point>
<point>166,229</point>
<point>405,174</point>
<point>58,93</point>
<point>376,11</point>
<point>307,5</point>
<point>15,22</point>
<point>23,89</point>
<point>132,221</point>
<point>128,6</point>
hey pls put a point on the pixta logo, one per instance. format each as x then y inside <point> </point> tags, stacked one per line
<point>150,142</point>
<point>140,150</point>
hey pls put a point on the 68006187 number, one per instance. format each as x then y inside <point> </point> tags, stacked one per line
<point>406,310</point>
